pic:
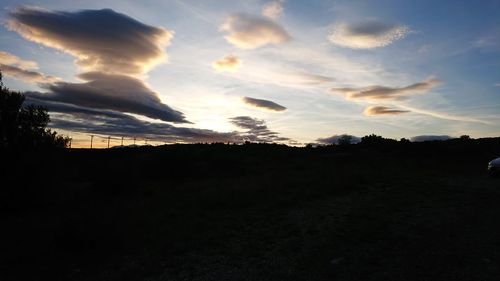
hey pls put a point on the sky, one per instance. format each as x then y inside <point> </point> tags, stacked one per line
<point>284,71</point>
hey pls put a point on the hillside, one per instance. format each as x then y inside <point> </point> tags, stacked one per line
<point>401,211</point>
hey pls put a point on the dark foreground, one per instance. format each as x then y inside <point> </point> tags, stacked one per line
<point>423,211</point>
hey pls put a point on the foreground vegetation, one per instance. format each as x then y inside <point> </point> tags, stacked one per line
<point>398,211</point>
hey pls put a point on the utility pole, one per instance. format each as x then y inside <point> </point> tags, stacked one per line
<point>146,141</point>
<point>108,140</point>
<point>134,140</point>
<point>91,140</point>
<point>122,142</point>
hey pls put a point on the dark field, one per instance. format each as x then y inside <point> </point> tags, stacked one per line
<point>416,211</point>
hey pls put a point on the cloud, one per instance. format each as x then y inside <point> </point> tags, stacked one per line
<point>249,32</point>
<point>18,68</point>
<point>110,91</point>
<point>112,123</point>
<point>228,63</point>
<point>118,50</point>
<point>497,85</point>
<point>304,78</point>
<point>383,110</point>
<point>26,75</point>
<point>264,104</point>
<point>273,10</point>
<point>430,138</point>
<point>102,40</point>
<point>388,93</point>
<point>10,59</point>
<point>366,35</point>
<point>256,130</point>
<point>336,138</point>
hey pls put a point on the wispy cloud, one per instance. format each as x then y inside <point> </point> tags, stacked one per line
<point>18,68</point>
<point>10,59</point>
<point>227,63</point>
<point>383,110</point>
<point>388,93</point>
<point>264,104</point>
<point>274,9</point>
<point>367,34</point>
<point>250,32</point>
<point>444,115</point>
<point>26,75</point>
<point>256,130</point>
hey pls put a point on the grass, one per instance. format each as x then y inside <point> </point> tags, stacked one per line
<point>253,212</point>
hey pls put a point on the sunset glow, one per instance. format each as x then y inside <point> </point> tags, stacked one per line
<point>289,71</point>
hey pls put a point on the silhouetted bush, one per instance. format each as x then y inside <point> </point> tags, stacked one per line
<point>374,140</point>
<point>25,126</point>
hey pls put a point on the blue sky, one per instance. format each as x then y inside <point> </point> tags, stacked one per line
<point>393,68</point>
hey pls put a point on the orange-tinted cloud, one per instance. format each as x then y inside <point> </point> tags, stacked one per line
<point>250,32</point>
<point>26,75</point>
<point>388,93</point>
<point>383,110</point>
<point>18,68</point>
<point>101,40</point>
<point>228,63</point>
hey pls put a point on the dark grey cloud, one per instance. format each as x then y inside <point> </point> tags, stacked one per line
<point>249,31</point>
<point>115,92</point>
<point>74,118</point>
<point>367,34</point>
<point>430,138</point>
<point>383,110</point>
<point>336,138</point>
<point>388,93</point>
<point>256,130</point>
<point>102,40</point>
<point>264,104</point>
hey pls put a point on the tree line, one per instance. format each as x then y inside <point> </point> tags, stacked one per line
<point>24,126</point>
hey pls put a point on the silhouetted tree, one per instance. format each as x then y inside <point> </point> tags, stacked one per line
<point>374,140</point>
<point>25,126</point>
<point>404,140</point>
<point>465,137</point>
